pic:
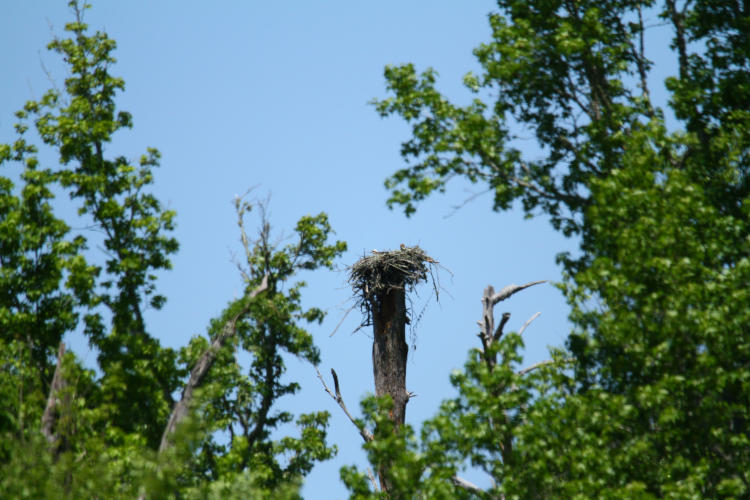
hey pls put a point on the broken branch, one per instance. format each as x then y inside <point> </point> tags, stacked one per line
<point>499,331</point>
<point>511,289</point>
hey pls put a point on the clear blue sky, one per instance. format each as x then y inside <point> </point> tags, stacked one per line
<point>274,94</point>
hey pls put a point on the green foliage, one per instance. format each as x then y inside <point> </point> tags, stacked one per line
<point>658,404</point>
<point>242,404</point>
<point>113,193</point>
<point>649,399</point>
<point>672,338</point>
<point>575,76</point>
<point>105,427</point>
<point>39,251</point>
<point>396,456</point>
<point>36,254</point>
<point>655,401</point>
<point>555,68</point>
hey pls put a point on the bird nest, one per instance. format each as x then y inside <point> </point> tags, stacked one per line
<point>380,272</point>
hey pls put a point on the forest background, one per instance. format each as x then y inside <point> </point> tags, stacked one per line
<point>277,98</point>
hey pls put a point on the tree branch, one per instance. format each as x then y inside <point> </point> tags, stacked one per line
<point>366,435</point>
<point>271,374</point>
<point>201,368</point>
<point>533,367</point>
<point>470,487</point>
<point>487,331</point>
<point>511,289</point>
<point>370,475</point>
<point>499,330</point>
<point>487,326</point>
<point>528,322</point>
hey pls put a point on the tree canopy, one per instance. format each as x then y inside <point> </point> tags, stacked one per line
<point>648,398</point>
<point>105,432</point>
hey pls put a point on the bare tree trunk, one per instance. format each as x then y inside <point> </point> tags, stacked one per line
<point>381,280</point>
<point>51,415</point>
<point>389,350</point>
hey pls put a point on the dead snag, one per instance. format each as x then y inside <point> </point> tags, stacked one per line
<point>389,349</point>
<point>52,412</point>
<point>488,335</point>
<point>380,281</point>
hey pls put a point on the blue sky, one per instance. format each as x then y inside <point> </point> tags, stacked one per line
<point>275,95</point>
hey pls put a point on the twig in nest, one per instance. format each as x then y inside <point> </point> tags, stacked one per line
<point>381,272</point>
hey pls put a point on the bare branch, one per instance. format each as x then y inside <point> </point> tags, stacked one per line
<point>456,208</point>
<point>511,289</point>
<point>242,207</point>
<point>535,366</point>
<point>336,384</point>
<point>470,487</point>
<point>528,322</point>
<point>642,62</point>
<point>499,331</point>
<point>47,72</point>
<point>201,368</point>
<point>342,320</point>
<point>487,325</point>
<point>366,435</point>
<point>372,479</point>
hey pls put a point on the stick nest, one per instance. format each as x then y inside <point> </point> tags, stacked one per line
<point>380,272</point>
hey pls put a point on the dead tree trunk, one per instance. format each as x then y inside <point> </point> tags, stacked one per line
<point>389,349</point>
<point>52,412</point>
<point>380,281</point>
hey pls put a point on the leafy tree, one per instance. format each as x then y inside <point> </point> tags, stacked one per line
<point>242,405</point>
<point>660,392</point>
<point>575,75</point>
<point>655,403</point>
<point>649,399</point>
<point>120,430</point>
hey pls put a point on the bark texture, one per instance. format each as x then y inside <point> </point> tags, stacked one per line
<point>52,411</point>
<point>389,349</point>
